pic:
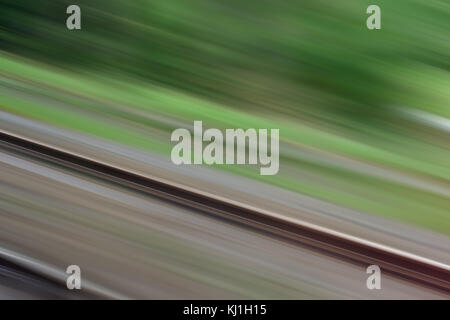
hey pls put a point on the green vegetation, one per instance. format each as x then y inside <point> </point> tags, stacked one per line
<point>310,68</point>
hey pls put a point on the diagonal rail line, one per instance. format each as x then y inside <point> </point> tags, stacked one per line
<point>416,268</point>
<point>38,285</point>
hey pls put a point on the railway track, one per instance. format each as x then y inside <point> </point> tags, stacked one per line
<point>33,284</point>
<point>399,263</point>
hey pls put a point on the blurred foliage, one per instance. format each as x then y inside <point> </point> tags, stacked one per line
<point>299,56</point>
<point>308,67</point>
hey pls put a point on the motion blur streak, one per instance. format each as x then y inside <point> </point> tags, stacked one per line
<point>171,252</point>
<point>364,139</point>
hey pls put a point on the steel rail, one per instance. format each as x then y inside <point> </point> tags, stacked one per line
<point>37,285</point>
<point>397,262</point>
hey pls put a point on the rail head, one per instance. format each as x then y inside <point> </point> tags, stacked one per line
<point>412,266</point>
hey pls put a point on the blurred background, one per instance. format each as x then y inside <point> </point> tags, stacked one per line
<point>363,115</point>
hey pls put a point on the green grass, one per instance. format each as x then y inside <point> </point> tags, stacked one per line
<point>109,108</point>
